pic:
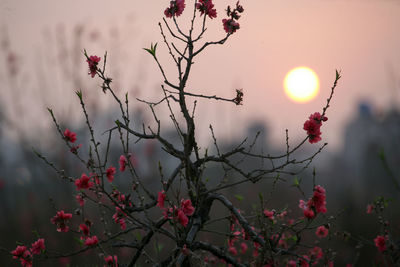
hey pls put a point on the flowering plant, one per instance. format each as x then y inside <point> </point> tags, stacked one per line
<point>178,209</point>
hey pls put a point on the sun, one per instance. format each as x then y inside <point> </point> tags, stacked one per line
<point>301,84</point>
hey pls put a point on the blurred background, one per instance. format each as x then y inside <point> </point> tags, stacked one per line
<point>42,65</point>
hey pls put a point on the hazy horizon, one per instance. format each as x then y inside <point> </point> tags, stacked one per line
<point>358,38</point>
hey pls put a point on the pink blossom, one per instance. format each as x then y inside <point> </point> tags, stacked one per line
<point>291,263</point>
<point>312,127</point>
<point>182,218</point>
<point>243,248</point>
<point>230,25</point>
<point>69,136</point>
<point>161,199</point>
<point>38,246</point>
<point>60,219</point>
<point>282,214</point>
<point>316,253</point>
<point>91,241</point>
<point>122,163</point>
<point>187,208</point>
<point>303,263</point>
<point>93,61</point>
<point>111,171</point>
<point>317,203</point>
<point>111,261</point>
<point>269,214</point>
<point>167,213</point>
<point>309,213</point>
<point>319,198</point>
<point>234,238</point>
<point>232,250</point>
<point>255,250</point>
<point>23,254</point>
<point>380,242</point>
<point>207,7</point>
<point>322,231</point>
<point>175,8</point>
<point>119,218</point>
<point>20,251</point>
<point>84,229</point>
<point>74,149</point>
<point>83,182</point>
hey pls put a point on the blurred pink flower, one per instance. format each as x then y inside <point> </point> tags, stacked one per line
<point>69,136</point>
<point>38,246</point>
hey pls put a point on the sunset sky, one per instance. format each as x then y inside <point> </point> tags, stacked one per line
<point>360,38</point>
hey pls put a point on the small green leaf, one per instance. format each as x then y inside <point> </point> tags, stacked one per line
<point>80,241</point>
<point>36,233</point>
<point>152,49</point>
<point>79,94</point>
<point>296,182</point>
<point>138,236</point>
<point>338,76</point>
<point>239,197</point>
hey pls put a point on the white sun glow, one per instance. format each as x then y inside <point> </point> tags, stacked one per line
<point>301,84</point>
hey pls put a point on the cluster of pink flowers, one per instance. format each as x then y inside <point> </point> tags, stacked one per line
<point>314,255</point>
<point>119,218</point>
<point>111,171</point>
<point>121,199</point>
<point>91,241</point>
<point>25,255</point>
<point>231,24</point>
<point>175,8</point>
<point>238,238</point>
<point>312,127</point>
<point>380,242</point>
<point>85,229</point>
<point>83,182</point>
<point>93,61</point>
<point>61,219</point>
<point>269,214</point>
<point>161,199</point>
<point>316,204</point>
<point>122,163</point>
<point>38,246</point>
<point>207,7</point>
<point>178,214</point>
<point>111,261</point>
<point>69,136</point>
<point>322,231</point>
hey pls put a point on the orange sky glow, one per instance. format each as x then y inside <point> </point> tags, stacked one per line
<point>360,38</point>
